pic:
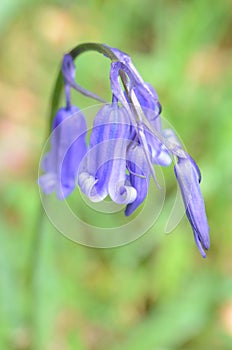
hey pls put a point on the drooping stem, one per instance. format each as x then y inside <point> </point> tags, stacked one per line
<point>59,84</point>
<point>101,48</point>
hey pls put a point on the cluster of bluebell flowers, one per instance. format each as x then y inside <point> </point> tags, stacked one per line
<point>126,141</point>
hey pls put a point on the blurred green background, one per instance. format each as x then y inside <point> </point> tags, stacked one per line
<point>156,293</point>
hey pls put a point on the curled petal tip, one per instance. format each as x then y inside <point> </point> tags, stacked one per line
<point>122,194</point>
<point>88,185</point>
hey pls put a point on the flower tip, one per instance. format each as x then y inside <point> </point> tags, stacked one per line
<point>202,244</point>
<point>129,210</point>
<point>206,244</point>
<point>205,239</point>
<point>204,256</point>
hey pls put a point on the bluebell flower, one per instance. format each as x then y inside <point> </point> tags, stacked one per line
<point>143,97</point>
<point>104,168</point>
<point>126,141</point>
<point>68,146</point>
<point>145,93</point>
<point>188,177</point>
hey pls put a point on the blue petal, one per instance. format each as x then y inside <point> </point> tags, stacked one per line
<point>188,178</point>
<point>87,184</point>
<point>154,152</point>
<point>126,59</point>
<point>148,99</point>
<point>104,170</point>
<point>139,176</point>
<point>118,189</point>
<point>68,147</point>
<point>159,153</point>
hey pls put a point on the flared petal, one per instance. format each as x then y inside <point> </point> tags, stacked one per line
<point>187,175</point>
<point>119,191</point>
<point>87,184</point>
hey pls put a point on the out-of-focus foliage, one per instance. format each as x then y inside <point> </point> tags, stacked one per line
<point>155,293</point>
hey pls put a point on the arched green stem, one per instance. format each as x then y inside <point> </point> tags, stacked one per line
<point>59,84</point>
